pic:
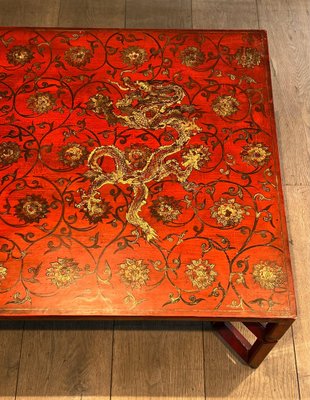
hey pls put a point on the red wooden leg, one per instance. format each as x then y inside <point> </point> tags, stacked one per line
<point>262,346</point>
<point>235,340</point>
<point>267,337</point>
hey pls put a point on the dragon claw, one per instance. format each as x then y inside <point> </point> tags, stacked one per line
<point>151,235</point>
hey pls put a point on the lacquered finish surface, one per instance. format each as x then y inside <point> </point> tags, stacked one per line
<point>140,176</point>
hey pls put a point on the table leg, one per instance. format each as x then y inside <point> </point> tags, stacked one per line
<point>262,346</point>
<point>267,337</point>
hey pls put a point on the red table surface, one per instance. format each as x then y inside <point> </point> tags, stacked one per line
<point>139,176</point>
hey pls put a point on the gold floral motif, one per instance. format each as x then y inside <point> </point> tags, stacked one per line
<point>78,56</point>
<point>248,57</point>
<point>31,208</point>
<point>166,209</point>
<point>268,275</point>
<point>94,207</point>
<point>192,57</point>
<point>63,272</point>
<point>224,106</point>
<point>137,155</point>
<point>41,102</point>
<point>228,212</point>
<point>256,154</point>
<point>73,154</point>
<point>134,55</point>
<point>101,104</point>
<point>134,273</point>
<point>3,272</point>
<point>19,55</point>
<point>196,156</point>
<point>201,273</point>
<point>9,153</point>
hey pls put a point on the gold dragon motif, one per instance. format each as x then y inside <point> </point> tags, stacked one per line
<point>150,105</point>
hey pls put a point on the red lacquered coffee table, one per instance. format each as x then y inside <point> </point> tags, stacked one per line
<point>140,179</point>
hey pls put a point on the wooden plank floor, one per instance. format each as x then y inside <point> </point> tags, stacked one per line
<point>106,360</point>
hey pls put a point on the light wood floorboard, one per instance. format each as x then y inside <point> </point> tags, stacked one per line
<point>158,14</point>
<point>298,201</point>
<point>223,14</point>
<point>61,359</point>
<point>92,13</point>
<point>29,12</point>
<point>11,334</point>
<point>158,360</point>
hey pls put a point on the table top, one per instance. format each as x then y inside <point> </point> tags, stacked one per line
<point>139,176</point>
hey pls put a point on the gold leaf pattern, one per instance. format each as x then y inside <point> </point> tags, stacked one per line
<point>228,212</point>
<point>201,273</point>
<point>41,102</point>
<point>134,273</point>
<point>78,56</point>
<point>224,106</point>
<point>9,153</point>
<point>248,57</point>
<point>134,55</point>
<point>192,57</point>
<point>3,272</point>
<point>19,55</point>
<point>63,272</point>
<point>268,275</point>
